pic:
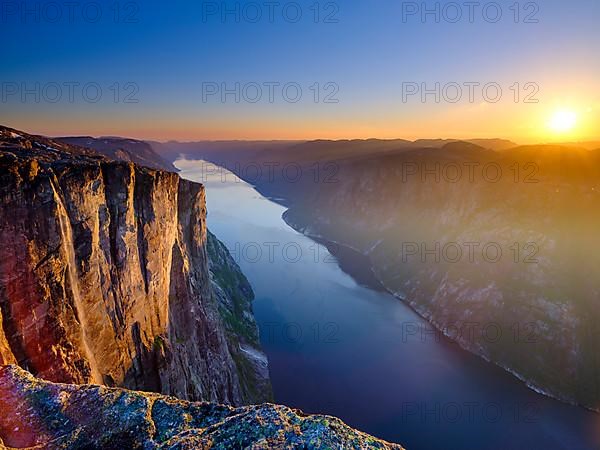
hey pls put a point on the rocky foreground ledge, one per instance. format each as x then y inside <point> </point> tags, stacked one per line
<point>43,415</point>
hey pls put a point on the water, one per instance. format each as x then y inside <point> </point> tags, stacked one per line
<point>336,347</point>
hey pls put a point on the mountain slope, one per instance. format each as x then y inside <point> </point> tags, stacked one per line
<point>122,149</point>
<point>528,299</point>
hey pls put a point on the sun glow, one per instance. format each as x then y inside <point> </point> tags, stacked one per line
<point>563,121</point>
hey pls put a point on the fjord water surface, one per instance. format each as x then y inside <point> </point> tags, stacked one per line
<point>338,348</point>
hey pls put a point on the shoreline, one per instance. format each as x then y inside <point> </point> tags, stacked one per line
<point>528,383</point>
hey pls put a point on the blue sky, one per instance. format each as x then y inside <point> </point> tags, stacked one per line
<point>167,50</point>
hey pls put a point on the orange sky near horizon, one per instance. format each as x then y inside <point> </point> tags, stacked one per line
<point>529,124</point>
<point>351,118</point>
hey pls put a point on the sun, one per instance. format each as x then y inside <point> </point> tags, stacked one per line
<point>563,121</point>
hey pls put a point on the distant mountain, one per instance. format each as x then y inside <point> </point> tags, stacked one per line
<point>172,150</point>
<point>231,152</point>
<point>588,145</point>
<point>122,149</point>
<point>493,144</point>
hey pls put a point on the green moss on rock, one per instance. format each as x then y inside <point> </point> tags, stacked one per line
<point>40,414</point>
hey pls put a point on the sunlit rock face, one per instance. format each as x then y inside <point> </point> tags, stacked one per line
<point>104,276</point>
<point>40,414</point>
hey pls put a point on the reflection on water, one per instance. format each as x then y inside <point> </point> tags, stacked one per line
<point>339,348</point>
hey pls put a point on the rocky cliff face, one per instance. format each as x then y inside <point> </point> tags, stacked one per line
<point>104,277</point>
<point>37,414</point>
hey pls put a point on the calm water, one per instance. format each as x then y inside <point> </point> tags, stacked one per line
<point>339,348</point>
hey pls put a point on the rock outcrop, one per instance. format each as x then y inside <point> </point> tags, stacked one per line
<point>104,278</point>
<point>43,415</point>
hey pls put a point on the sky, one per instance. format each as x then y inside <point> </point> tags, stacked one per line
<point>175,70</point>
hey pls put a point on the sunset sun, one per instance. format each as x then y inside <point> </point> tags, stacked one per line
<point>563,121</point>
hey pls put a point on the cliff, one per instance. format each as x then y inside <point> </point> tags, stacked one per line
<point>104,277</point>
<point>38,414</point>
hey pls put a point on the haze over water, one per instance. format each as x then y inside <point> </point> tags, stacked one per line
<point>338,348</point>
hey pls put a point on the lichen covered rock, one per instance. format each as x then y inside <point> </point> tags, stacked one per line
<point>40,414</point>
